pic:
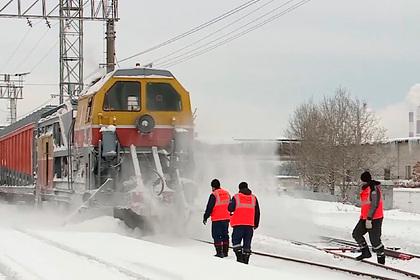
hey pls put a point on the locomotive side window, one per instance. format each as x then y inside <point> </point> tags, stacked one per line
<point>162,97</point>
<point>123,96</point>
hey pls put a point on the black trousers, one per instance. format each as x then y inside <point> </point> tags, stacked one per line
<point>220,231</point>
<point>242,233</point>
<point>374,234</point>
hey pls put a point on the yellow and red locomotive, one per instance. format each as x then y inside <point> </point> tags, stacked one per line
<point>129,134</point>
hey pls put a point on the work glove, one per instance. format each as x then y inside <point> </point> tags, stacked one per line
<point>368,224</point>
<point>204,221</point>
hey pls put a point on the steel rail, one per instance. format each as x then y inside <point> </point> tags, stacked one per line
<point>386,267</point>
<point>330,267</point>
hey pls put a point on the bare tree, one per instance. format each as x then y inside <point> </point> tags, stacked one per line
<point>337,137</point>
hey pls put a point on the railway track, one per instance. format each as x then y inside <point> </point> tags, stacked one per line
<point>342,255</point>
<point>398,254</point>
<point>6,272</point>
<point>8,269</point>
<point>330,267</point>
<point>122,270</point>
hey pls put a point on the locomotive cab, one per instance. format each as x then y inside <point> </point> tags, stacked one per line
<point>144,105</point>
<point>134,117</point>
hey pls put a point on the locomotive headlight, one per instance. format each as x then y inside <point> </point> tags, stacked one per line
<point>145,124</point>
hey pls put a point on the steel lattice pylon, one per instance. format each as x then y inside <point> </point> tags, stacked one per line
<point>11,88</point>
<point>71,48</point>
<point>72,14</point>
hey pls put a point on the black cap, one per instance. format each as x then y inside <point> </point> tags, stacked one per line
<point>215,183</point>
<point>366,177</point>
<point>243,185</point>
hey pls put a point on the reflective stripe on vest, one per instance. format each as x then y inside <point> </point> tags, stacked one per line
<point>365,204</point>
<point>244,213</point>
<point>220,210</point>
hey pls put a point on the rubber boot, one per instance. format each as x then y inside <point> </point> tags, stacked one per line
<point>247,255</point>
<point>381,259</point>
<point>225,248</point>
<point>365,254</point>
<point>239,254</point>
<point>219,250</point>
<point>380,254</point>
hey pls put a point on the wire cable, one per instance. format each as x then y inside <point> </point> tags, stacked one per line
<point>276,16</point>
<point>6,63</point>
<point>45,56</point>
<point>28,55</point>
<point>41,84</point>
<point>194,30</point>
<point>37,108</point>
<point>94,72</point>
<point>230,24</point>
<point>168,61</point>
<point>15,51</point>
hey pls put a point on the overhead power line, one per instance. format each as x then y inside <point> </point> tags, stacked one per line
<point>22,40</point>
<point>41,84</point>
<point>191,55</point>
<point>194,30</point>
<point>233,33</point>
<point>45,55</point>
<point>91,74</point>
<point>6,63</point>
<point>39,107</point>
<point>229,33</point>
<point>34,48</point>
<point>230,24</point>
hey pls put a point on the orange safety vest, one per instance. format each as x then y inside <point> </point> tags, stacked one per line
<point>220,210</point>
<point>365,204</point>
<point>244,213</point>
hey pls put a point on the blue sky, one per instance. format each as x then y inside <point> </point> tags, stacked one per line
<point>250,87</point>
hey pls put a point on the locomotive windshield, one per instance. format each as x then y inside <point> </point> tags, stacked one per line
<point>123,96</point>
<point>162,97</point>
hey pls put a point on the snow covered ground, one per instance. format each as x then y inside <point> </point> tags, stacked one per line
<point>35,245</point>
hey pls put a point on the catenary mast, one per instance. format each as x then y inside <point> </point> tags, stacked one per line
<point>71,14</point>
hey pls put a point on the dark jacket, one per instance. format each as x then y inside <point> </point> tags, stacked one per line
<point>232,206</point>
<point>209,207</point>
<point>375,196</point>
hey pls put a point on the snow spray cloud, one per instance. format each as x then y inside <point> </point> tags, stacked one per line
<point>27,215</point>
<point>254,163</point>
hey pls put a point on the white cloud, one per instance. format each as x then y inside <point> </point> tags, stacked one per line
<point>394,117</point>
<point>413,96</point>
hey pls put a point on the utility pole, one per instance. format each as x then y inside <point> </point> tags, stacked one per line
<point>110,45</point>
<point>11,88</point>
<point>71,14</point>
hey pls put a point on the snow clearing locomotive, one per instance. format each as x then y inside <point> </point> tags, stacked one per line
<point>125,144</point>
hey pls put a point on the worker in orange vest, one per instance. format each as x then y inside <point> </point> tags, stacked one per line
<point>371,216</point>
<point>245,218</point>
<point>217,209</point>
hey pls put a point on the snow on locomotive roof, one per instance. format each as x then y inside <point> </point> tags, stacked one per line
<point>144,72</point>
<point>129,73</point>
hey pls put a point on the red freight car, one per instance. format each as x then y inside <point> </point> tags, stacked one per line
<point>17,154</point>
